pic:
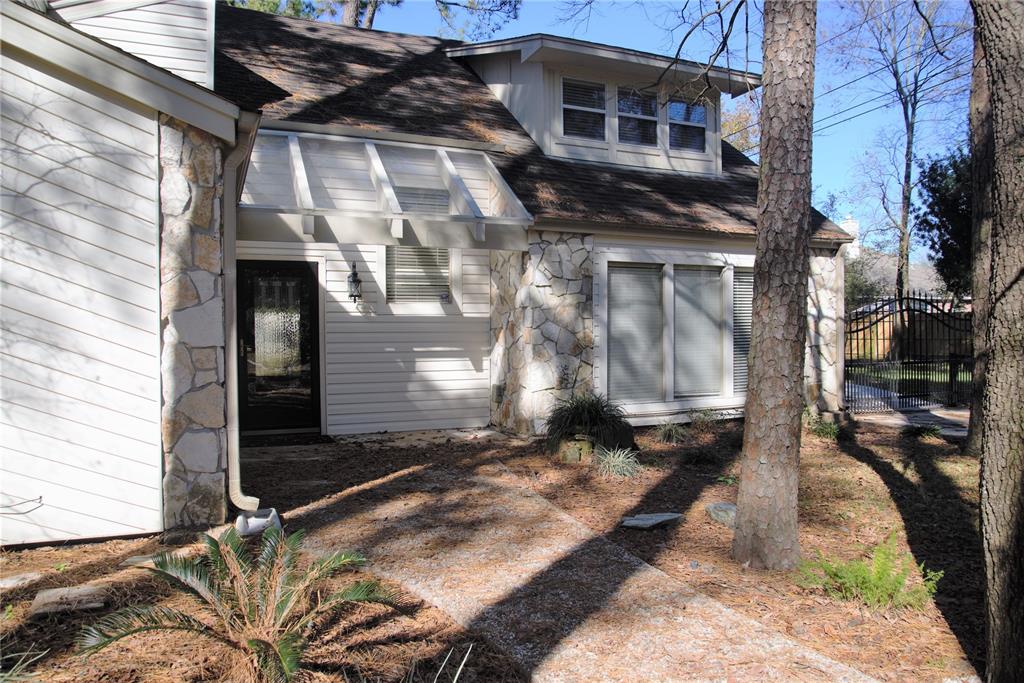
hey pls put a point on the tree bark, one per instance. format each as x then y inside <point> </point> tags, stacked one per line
<point>981,226</point>
<point>766,517</point>
<point>1002,439</point>
<point>371,13</point>
<point>350,17</point>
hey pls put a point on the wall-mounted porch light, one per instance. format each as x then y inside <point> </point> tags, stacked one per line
<point>355,285</point>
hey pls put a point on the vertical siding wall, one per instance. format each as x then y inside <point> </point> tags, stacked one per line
<point>174,35</point>
<point>79,321</point>
<point>396,371</point>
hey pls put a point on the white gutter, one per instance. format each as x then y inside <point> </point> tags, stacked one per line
<point>235,167</point>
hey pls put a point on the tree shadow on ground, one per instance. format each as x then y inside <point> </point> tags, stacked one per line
<point>370,477</point>
<point>942,532</point>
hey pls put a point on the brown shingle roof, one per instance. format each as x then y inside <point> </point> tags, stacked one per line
<point>310,72</point>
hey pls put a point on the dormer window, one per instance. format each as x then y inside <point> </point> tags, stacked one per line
<point>687,126</point>
<point>583,109</point>
<point>638,117</point>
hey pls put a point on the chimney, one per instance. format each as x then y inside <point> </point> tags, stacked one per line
<point>852,226</point>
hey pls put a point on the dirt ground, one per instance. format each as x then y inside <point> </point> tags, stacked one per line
<point>854,493</point>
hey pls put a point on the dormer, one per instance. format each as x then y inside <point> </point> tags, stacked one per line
<point>593,102</point>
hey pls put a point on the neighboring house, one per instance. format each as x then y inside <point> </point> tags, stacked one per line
<point>360,231</point>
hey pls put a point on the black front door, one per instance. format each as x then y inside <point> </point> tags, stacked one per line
<point>279,352</point>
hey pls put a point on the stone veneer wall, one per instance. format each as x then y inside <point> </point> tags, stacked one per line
<point>823,361</point>
<point>542,328</point>
<point>192,324</point>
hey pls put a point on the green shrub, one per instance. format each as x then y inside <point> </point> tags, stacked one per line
<point>922,431</point>
<point>670,432</point>
<point>823,429</point>
<point>616,462</point>
<point>592,415</point>
<point>703,421</point>
<point>261,606</point>
<point>882,582</point>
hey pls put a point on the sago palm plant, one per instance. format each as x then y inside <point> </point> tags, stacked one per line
<point>262,606</point>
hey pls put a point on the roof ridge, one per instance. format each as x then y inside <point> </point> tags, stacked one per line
<point>330,25</point>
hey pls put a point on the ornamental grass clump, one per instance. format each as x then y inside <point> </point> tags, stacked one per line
<point>670,432</point>
<point>590,415</point>
<point>880,582</point>
<point>261,605</point>
<point>616,462</point>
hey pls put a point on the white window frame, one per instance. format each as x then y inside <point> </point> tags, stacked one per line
<point>562,106</point>
<point>454,307</point>
<point>668,258</point>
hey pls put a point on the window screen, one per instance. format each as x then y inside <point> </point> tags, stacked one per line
<point>634,332</point>
<point>638,117</point>
<point>742,314</point>
<point>687,125</point>
<point>698,332</point>
<point>583,109</point>
<point>417,274</point>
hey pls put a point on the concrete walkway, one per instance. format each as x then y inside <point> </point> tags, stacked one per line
<point>950,421</point>
<point>565,603</point>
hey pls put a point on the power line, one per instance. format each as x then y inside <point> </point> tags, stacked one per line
<point>858,78</point>
<point>815,131</point>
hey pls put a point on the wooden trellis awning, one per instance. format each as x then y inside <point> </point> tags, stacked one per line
<point>310,175</point>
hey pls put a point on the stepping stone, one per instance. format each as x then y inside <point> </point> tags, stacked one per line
<point>19,580</point>
<point>73,599</point>
<point>651,520</point>
<point>723,513</point>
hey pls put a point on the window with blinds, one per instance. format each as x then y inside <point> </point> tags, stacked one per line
<point>638,117</point>
<point>418,274</point>
<point>742,314</point>
<point>687,126</point>
<point>583,109</point>
<point>635,356</point>
<point>698,332</point>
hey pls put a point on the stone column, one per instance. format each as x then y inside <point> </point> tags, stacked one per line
<point>542,328</point>
<point>192,327</point>
<point>824,303</point>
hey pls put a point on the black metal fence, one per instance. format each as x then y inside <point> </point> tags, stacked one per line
<point>907,352</point>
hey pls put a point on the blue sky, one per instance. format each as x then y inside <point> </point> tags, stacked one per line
<point>837,151</point>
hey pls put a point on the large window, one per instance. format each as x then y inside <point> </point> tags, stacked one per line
<point>742,313</point>
<point>583,109</point>
<point>699,332</point>
<point>687,126</point>
<point>635,332</point>
<point>671,333</point>
<point>418,274</point>
<point>638,117</point>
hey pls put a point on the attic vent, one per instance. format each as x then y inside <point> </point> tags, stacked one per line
<point>423,199</point>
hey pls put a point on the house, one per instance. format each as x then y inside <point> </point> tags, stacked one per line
<point>217,220</point>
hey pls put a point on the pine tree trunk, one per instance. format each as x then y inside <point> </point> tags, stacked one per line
<point>981,226</point>
<point>371,13</point>
<point>766,518</point>
<point>350,17</point>
<point>1002,440</point>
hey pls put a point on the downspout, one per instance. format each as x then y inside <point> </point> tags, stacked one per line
<point>235,166</point>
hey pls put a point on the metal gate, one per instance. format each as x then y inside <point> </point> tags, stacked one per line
<point>906,353</point>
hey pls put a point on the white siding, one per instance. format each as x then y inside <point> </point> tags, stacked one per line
<point>79,321</point>
<point>173,35</point>
<point>397,371</point>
